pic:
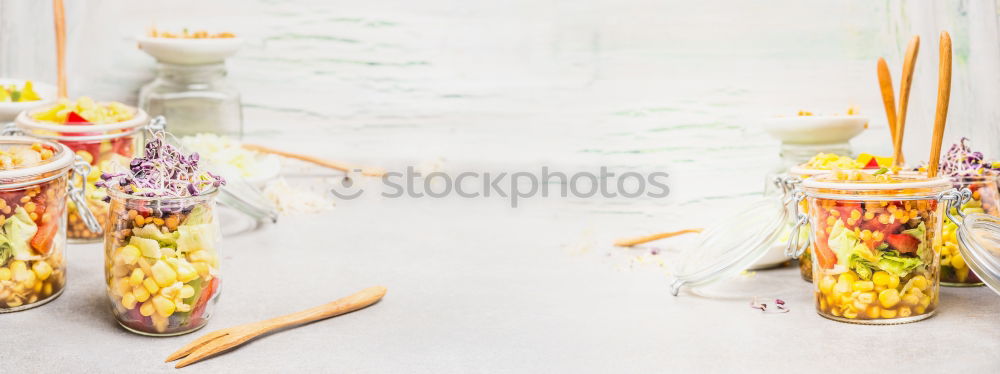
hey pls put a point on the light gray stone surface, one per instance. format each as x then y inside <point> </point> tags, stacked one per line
<point>509,291</point>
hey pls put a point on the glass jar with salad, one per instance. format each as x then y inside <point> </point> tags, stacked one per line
<point>967,169</point>
<point>824,163</point>
<point>101,133</point>
<point>161,249</point>
<point>876,240</point>
<point>34,175</point>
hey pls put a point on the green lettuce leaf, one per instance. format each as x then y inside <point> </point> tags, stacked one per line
<point>150,231</point>
<point>199,215</point>
<point>861,266</point>
<point>195,237</point>
<point>894,263</point>
<point>18,231</point>
<point>843,242</point>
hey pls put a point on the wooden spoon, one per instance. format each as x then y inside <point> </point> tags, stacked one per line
<point>629,242</point>
<point>944,96</point>
<point>59,13</point>
<point>888,99</point>
<point>904,98</point>
<point>223,340</point>
<point>368,171</point>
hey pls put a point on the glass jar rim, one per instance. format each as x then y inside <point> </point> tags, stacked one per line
<point>62,160</point>
<point>115,193</point>
<point>919,183</point>
<point>26,123</point>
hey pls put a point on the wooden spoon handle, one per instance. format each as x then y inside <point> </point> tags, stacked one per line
<point>629,242</point>
<point>345,167</point>
<point>888,98</point>
<point>904,97</point>
<point>59,15</point>
<point>944,96</point>
<point>359,300</point>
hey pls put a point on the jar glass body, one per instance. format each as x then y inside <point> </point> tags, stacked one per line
<point>955,271</point>
<point>194,99</point>
<point>162,262</point>
<point>34,271</point>
<point>876,252</point>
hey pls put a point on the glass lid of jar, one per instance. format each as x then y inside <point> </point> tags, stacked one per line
<point>979,243</point>
<point>732,245</point>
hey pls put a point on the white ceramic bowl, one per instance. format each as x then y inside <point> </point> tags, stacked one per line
<point>814,129</point>
<point>9,111</point>
<point>189,51</point>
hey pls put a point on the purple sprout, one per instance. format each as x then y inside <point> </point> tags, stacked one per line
<point>961,161</point>
<point>163,172</point>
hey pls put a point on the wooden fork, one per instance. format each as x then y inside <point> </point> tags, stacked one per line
<point>222,340</point>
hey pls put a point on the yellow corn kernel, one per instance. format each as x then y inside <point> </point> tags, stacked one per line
<point>147,309</point>
<point>855,214</point>
<point>884,219</point>
<point>183,308</point>
<point>893,281</point>
<point>858,305</point>
<point>140,292</point>
<point>130,254</point>
<point>188,291</point>
<point>863,286</point>
<point>5,274</point>
<point>163,274</point>
<point>825,285</point>
<point>164,306</point>
<point>869,215</point>
<point>911,299</point>
<point>47,290</point>
<point>958,262</point>
<point>128,300</point>
<point>831,220</point>
<point>122,286</point>
<point>873,312</point>
<point>867,297</point>
<point>18,266</point>
<point>920,309</point>
<point>150,285</point>
<point>186,272</point>
<point>835,312</point>
<point>920,282</point>
<point>172,290</point>
<point>925,301</point>
<point>889,298</point>
<point>203,269</point>
<point>888,313</point>
<point>822,303</point>
<point>159,322</point>
<point>842,287</point>
<point>37,287</point>
<point>42,270</point>
<point>136,278</point>
<point>905,311</point>
<point>850,313</point>
<point>891,209</point>
<point>848,277</point>
<point>199,256</point>
<point>880,278</point>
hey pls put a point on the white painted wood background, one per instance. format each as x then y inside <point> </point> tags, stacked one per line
<point>674,85</point>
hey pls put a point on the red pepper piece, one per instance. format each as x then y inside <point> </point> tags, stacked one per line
<point>904,243</point>
<point>42,241</point>
<point>75,119</point>
<point>824,255</point>
<point>872,164</point>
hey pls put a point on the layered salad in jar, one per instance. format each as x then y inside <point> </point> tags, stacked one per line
<point>101,153</point>
<point>966,169</point>
<point>162,261</point>
<point>876,259</point>
<point>32,266</point>
<point>824,163</point>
